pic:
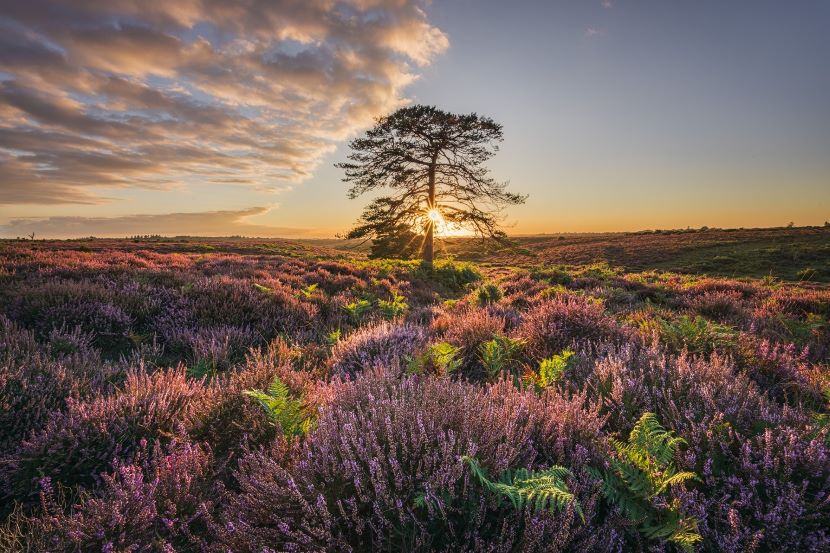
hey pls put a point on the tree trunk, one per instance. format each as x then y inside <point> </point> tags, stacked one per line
<point>429,238</point>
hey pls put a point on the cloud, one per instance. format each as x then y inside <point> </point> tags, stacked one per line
<point>208,223</point>
<point>607,3</point>
<point>149,93</point>
<point>592,32</point>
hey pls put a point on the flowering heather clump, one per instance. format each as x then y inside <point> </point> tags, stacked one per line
<point>556,324</point>
<point>767,492</point>
<point>728,424</point>
<point>156,503</point>
<point>727,306</point>
<point>104,446</point>
<point>468,330</point>
<point>267,311</point>
<point>272,512</point>
<point>77,445</point>
<point>384,443</point>
<point>210,350</point>
<point>783,371</point>
<point>385,346</point>
<point>36,381</point>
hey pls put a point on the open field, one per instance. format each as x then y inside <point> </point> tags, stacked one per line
<point>263,395</point>
<point>795,254</point>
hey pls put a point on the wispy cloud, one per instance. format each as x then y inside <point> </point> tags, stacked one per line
<point>148,93</point>
<point>208,223</point>
<point>593,32</point>
<point>607,3</point>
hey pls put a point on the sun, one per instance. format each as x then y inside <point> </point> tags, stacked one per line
<point>445,228</point>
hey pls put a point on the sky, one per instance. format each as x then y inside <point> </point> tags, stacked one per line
<point>225,117</point>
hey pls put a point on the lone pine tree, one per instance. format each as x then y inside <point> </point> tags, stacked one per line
<point>432,164</point>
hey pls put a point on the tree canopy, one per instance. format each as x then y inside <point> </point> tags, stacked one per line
<point>431,162</point>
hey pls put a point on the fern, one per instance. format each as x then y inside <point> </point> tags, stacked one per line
<point>499,355</point>
<point>333,337</point>
<point>441,358</point>
<point>552,369</point>
<point>283,409</point>
<point>357,309</point>
<point>308,291</point>
<point>394,307</point>
<point>642,470</point>
<point>697,335</point>
<point>263,289</point>
<point>541,490</point>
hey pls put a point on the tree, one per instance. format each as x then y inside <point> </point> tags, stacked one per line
<point>401,241</point>
<point>433,164</point>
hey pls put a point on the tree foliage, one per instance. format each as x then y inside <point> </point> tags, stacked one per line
<point>427,159</point>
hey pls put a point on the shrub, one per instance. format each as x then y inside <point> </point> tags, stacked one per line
<point>468,330</point>
<point>487,294</point>
<point>211,350</point>
<point>77,445</point>
<point>559,323</point>
<point>155,503</point>
<point>719,305</point>
<point>384,346</point>
<point>37,381</point>
<point>749,472</point>
<point>384,470</point>
<point>275,511</point>
<point>231,422</point>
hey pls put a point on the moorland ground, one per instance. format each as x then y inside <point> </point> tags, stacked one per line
<point>618,392</point>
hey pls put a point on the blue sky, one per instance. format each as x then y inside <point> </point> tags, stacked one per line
<point>618,116</point>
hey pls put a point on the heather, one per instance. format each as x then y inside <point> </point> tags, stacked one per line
<point>245,398</point>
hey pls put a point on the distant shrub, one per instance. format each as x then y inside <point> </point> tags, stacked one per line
<point>553,275</point>
<point>487,294</point>
<point>450,276</point>
<point>558,323</point>
<point>697,335</point>
<point>384,346</point>
<point>719,305</point>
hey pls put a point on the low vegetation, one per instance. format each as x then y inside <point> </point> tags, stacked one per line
<point>250,398</point>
